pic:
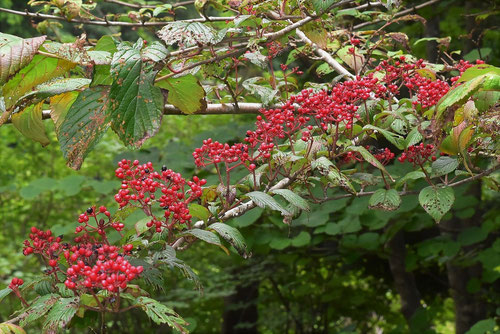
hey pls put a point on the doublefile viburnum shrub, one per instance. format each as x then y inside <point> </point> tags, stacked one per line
<point>366,119</point>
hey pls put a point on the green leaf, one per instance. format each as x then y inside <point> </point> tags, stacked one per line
<point>59,106</point>
<point>266,94</point>
<point>233,236</point>
<point>369,240</point>
<point>71,185</point>
<point>204,235</point>
<point>444,165</point>
<point>39,70</point>
<point>478,70</point>
<point>322,163</point>
<point>322,5</point>
<point>395,139</point>
<point>293,198</point>
<point>186,93</point>
<point>339,179</point>
<point>161,314</point>
<point>483,327</point>
<point>280,243</point>
<point>106,43</point>
<point>413,175</point>
<point>459,94</point>
<point>83,126</point>
<point>199,211</point>
<point>4,293</point>
<point>60,314</point>
<point>136,106</point>
<point>369,158</point>
<point>301,240</point>
<point>264,200</point>
<point>332,229</point>
<point>413,137</point>
<point>39,307</point>
<point>29,122</point>
<point>387,200</point>
<point>15,53</point>
<point>472,235</point>
<point>436,201</point>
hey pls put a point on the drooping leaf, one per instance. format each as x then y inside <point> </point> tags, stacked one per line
<point>293,198</point>
<point>4,293</point>
<point>321,163</point>
<point>38,308</point>
<point>59,106</point>
<point>436,201</point>
<point>444,165</point>
<point>55,87</point>
<point>85,123</point>
<point>387,200</point>
<point>15,53</point>
<point>39,70</point>
<point>369,158</point>
<point>186,93</point>
<point>395,139</point>
<point>339,179</point>
<point>61,314</point>
<point>477,70</point>
<point>156,52</point>
<point>413,175</point>
<point>29,122</point>
<point>233,236</point>
<point>136,106</point>
<point>161,314</point>
<point>206,236</point>
<point>301,240</point>
<point>459,94</point>
<point>264,200</point>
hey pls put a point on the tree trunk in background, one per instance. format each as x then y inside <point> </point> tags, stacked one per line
<point>469,307</point>
<point>432,30</point>
<point>240,310</point>
<point>403,280</point>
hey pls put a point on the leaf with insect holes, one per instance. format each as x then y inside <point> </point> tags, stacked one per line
<point>436,201</point>
<point>135,104</point>
<point>387,200</point>
<point>161,314</point>
<point>39,307</point>
<point>61,314</point>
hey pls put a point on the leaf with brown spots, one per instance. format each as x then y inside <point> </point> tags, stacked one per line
<point>85,123</point>
<point>436,201</point>
<point>60,315</point>
<point>136,106</point>
<point>15,53</point>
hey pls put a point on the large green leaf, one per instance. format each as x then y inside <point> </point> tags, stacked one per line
<point>60,314</point>
<point>39,70</point>
<point>15,53</point>
<point>136,106</point>
<point>186,93</point>
<point>264,200</point>
<point>204,235</point>
<point>383,199</point>
<point>54,87</point>
<point>437,201</point>
<point>29,122</point>
<point>39,307</point>
<point>161,314</point>
<point>83,126</point>
<point>444,165</point>
<point>233,236</point>
<point>459,94</point>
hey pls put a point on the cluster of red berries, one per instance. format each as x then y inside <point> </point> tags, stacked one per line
<point>15,283</point>
<point>140,183</point>
<point>92,266</point>
<point>101,224</point>
<point>384,156</point>
<point>418,154</point>
<point>42,242</point>
<point>213,152</point>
